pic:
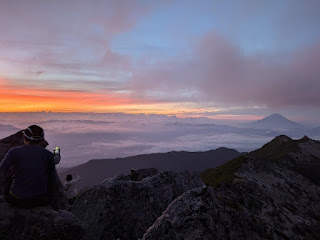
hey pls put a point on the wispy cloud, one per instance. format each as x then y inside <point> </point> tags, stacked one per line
<point>220,72</point>
<point>192,57</point>
<point>63,38</point>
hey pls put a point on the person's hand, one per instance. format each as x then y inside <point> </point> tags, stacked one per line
<point>56,151</point>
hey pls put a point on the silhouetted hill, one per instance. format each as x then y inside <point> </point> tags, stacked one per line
<point>97,170</point>
<point>9,142</point>
<point>275,122</point>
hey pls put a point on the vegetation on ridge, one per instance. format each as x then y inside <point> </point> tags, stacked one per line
<point>276,149</point>
<point>223,173</point>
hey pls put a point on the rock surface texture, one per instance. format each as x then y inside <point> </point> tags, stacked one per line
<point>198,214</point>
<point>272,193</point>
<point>277,185</point>
<point>124,209</point>
<point>38,223</point>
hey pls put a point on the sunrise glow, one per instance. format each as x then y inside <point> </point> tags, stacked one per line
<point>181,58</point>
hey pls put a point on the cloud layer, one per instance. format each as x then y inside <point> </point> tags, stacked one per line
<point>220,72</point>
<point>177,57</point>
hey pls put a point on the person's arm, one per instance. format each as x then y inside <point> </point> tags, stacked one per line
<point>6,163</point>
<point>52,175</point>
<point>57,158</point>
<point>77,177</point>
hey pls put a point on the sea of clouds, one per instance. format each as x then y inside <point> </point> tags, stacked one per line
<point>83,137</point>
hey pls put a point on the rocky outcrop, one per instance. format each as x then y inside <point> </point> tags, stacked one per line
<point>278,185</point>
<point>270,193</point>
<point>198,214</point>
<point>10,142</point>
<point>38,223</point>
<point>121,209</point>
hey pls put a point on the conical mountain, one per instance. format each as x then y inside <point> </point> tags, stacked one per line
<point>275,122</point>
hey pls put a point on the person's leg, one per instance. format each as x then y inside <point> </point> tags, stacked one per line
<point>71,200</point>
<point>6,185</point>
<point>26,203</point>
<point>11,199</point>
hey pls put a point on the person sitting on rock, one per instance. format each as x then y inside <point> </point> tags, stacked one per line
<point>70,187</point>
<point>32,170</point>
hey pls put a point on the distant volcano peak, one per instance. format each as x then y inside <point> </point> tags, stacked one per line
<point>275,121</point>
<point>275,116</point>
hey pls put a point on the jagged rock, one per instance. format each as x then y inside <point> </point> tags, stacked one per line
<point>279,185</point>
<point>16,140</point>
<point>38,223</point>
<point>117,209</point>
<point>197,214</point>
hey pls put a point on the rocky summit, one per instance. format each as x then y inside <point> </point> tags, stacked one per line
<point>270,193</point>
<point>120,208</point>
<point>277,185</point>
<point>198,214</point>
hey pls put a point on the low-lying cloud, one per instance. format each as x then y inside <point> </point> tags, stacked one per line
<point>83,137</point>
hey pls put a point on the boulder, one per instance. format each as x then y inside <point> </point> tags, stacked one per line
<point>38,223</point>
<point>197,214</point>
<point>119,209</point>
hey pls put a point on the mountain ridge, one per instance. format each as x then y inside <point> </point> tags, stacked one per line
<point>269,193</point>
<point>170,161</point>
<point>278,185</point>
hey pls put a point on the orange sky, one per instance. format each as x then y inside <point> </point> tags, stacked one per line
<point>23,99</point>
<point>127,56</point>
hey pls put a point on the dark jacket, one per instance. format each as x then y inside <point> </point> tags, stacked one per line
<point>33,171</point>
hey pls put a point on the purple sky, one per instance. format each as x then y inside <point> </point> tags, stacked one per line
<point>232,59</point>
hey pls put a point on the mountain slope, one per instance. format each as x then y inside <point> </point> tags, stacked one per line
<point>275,122</point>
<point>6,130</point>
<point>9,142</point>
<point>278,185</point>
<point>95,171</point>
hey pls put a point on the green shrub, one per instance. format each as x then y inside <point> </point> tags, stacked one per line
<point>224,173</point>
<point>279,147</point>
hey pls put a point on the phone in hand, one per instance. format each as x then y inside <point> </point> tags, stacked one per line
<point>56,150</point>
